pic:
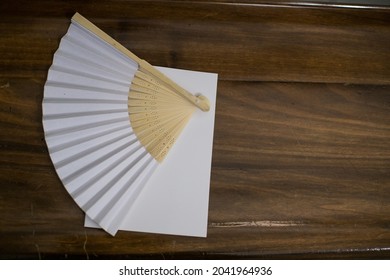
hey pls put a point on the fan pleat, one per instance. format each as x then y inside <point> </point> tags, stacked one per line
<point>76,51</point>
<point>83,178</point>
<point>76,152</point>
<point>112,215</point>
<point>94,42</point>
<point>60,133</point>
<point>63,76</point>
<point>69,92</point>
<point>66,167</point>
<point>75,64</point>
<point>110,182</point>
<point>125,172</point>
<point>85,137</point>
<point>80,179</point>
<point>70,123</point>
<point>95,52</point>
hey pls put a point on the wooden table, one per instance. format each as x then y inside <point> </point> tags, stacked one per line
<point>301,159</point>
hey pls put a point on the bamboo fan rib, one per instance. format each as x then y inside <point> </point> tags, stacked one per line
<point>157,114</point>
<point>109,119</point>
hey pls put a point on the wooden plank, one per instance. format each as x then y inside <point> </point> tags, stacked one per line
<point>299,171</point>
<point>249,42</point>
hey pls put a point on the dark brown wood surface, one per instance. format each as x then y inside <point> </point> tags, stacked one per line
<point>301,159</point>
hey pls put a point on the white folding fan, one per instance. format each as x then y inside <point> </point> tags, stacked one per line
<point>110,119</point>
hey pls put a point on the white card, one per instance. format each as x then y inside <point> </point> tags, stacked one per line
<point>175,198</point>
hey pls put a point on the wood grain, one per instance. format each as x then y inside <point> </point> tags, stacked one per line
<point>252,42</point>
<point>301,159</point>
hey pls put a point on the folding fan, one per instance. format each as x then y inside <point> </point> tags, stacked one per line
<point>110,119</point>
